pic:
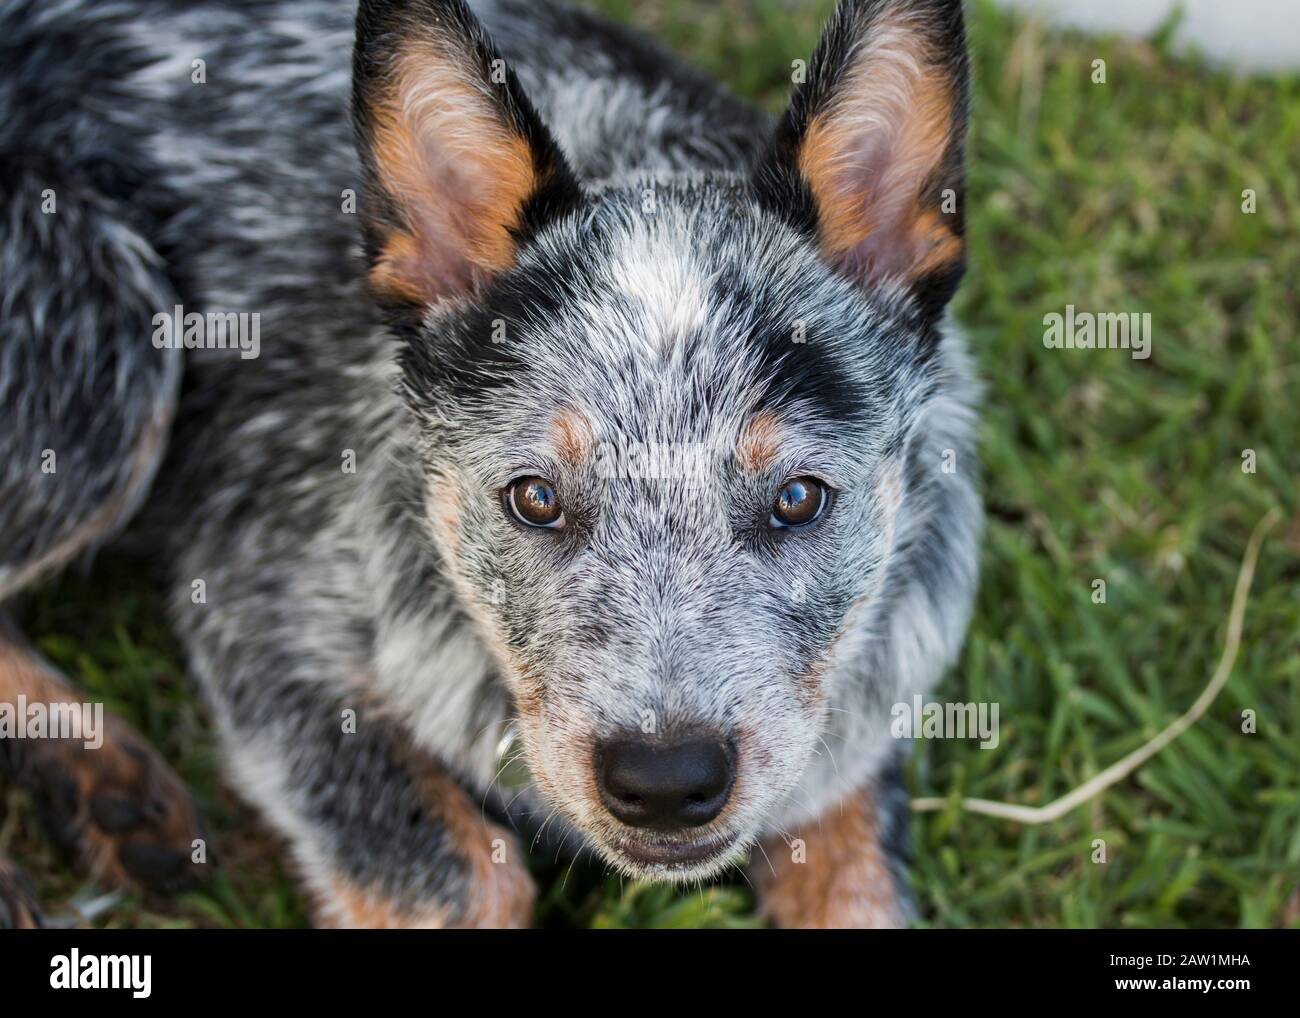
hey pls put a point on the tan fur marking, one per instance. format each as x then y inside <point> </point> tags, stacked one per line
<point>842,216</point>
<point>574,437</point>
<point>22,673</point>
<point>354,908</point>
<point>444,501</point>
<point>849,209</point>
<point>529,689</point>
<point>444,510</point>
<point>451,238</point>
<point>844,882</point>
<point>396,270</point>
<point>759,443</point>
<point>348,906</point>
<point>123,766</point>
<point>502,893</point>
<point>936,245</point>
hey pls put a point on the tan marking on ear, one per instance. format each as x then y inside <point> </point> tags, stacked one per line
<point>842,217</point>
<point>935,243</point>
<point>849,214</point>
<point>844,881</point>
<point>456,172</point>
<point>395,273</point>
<point>574,436</point>
<point>906,106</point>
<point>759,442</point>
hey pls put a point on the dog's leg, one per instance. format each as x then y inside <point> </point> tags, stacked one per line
<point>116,807</point>
<point>383,835</point>
<point>491,887</point>
<point>843,870</point>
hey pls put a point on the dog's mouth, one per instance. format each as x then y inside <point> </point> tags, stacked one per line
<point>665,859</point>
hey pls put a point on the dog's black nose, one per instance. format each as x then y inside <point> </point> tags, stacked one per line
<point>664,785</point>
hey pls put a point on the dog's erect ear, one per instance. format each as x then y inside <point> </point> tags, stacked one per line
<point>459,169</point>
<point>869,154</point>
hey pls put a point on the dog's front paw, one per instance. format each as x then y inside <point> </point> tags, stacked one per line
<point>831,874</point>
<point>501,899</point>
<point>18,907</point>
<point>118,808</point>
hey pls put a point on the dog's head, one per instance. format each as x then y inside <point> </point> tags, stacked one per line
<point>664,422</point>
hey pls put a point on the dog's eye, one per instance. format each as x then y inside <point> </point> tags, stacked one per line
<point>534,503</point>
<point>800,501</point>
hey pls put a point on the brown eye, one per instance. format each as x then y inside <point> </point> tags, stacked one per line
<point>534,502</point>
<point>798,503</point>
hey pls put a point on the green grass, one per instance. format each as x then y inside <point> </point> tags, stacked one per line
<point>1120,196</point>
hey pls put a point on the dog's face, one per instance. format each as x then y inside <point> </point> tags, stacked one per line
<point>664,494</point>
<point>663,425</point>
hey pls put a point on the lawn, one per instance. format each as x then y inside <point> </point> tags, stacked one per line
<point>1125,195</point>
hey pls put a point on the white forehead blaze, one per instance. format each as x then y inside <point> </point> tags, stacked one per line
<point>664,287</point>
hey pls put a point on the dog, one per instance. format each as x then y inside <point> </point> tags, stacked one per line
<point>601,475</point>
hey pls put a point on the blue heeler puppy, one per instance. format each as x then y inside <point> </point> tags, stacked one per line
<point>618,420</point>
